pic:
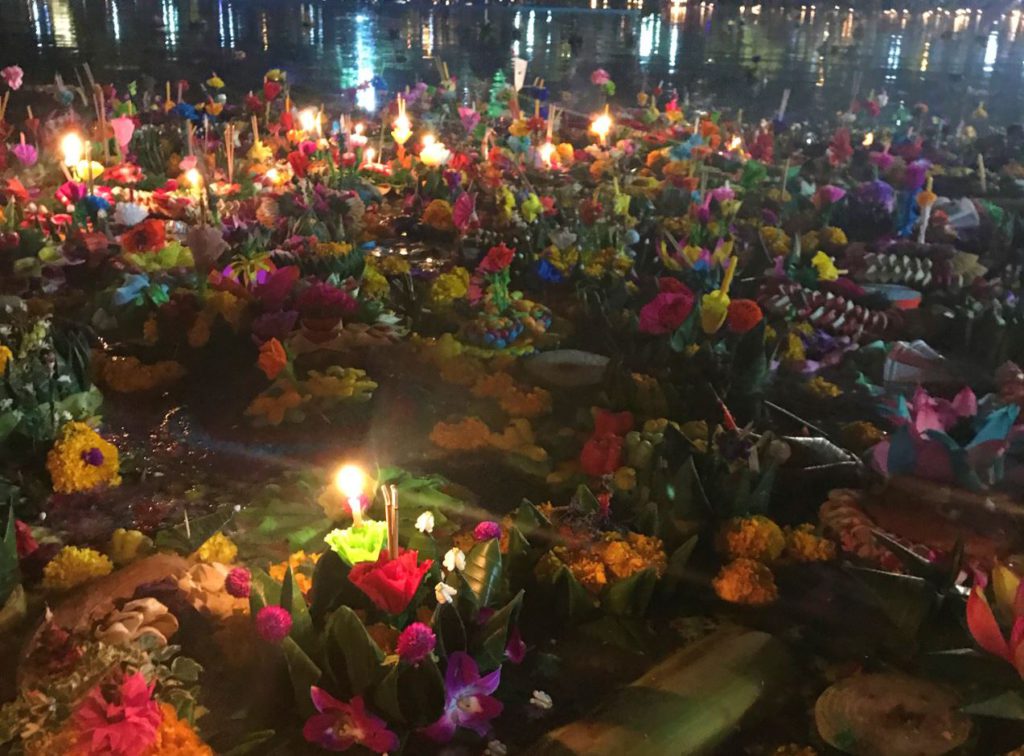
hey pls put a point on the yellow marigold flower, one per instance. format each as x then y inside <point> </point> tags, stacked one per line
<point>462,370</point>
<point>823,389</point>
<point>827,270</point>
<point>438,215</point>
<point>228,306</point>
<point>259,152</point>
<point>332,249</point>
<point>794,350</point>
<point>215,81</point>
<point>531,208</point>
<point>176,736</point>
<point>746,581</point>
<point>519,127</point>
<point>82,460</point>
<point>831,236</point>
<point>296,561</point>
<point>73,566</point>
<point>272,408</point>
<point>566,153</point>
<point>518,438</point>
<point>804,545</point>
<point>128,545</point>
<point>809,241</point>
<point>5,357</point>
<point>754,537</point>
<point>468,434</point>
<point>393,265</point>
<point>217,548</point>
<point>624,479</point>
<point>127,375</point>
<point>861,435</point>
<point>449,287</point>
<point>506,201</point>
<point>374,285</point>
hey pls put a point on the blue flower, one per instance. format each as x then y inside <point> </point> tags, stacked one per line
<point>632,237</point>
<point>187,111</point>
<point>549,272</point>
<point>96,204</point>
<point>134,285</point>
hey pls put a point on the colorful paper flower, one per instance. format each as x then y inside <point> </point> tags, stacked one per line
<point>119,721</point>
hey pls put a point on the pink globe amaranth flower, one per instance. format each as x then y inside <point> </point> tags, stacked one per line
<point>415,643</point>
<point>239,583</point>
<point>339,725</point>
<point>13,75</point>
<point>273,623</point>
<point>487,530</point>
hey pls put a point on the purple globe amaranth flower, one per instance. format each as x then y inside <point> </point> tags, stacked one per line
<point>468,699</point>
<point>487,530</point>
<point>770,217</point>
<point>93,457</point>
<point>415,643</point>
<point>339,725</point>
<point>273,623</point>
<point>238,583</point>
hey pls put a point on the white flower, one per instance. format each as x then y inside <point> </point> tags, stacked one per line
<point>541,700</point>
<point>455,559</point>
<point>496,748</point>
<point>882,99</point>
<point>130,214</point>
<point>425,522</point>
<point>444,593</point>
<point>563,238</point>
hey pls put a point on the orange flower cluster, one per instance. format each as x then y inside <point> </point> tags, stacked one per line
<point>607,561</point>
<point>514,401</point>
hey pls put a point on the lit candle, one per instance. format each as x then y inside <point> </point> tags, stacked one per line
<point>351,481</point>
<point>545,151</point>
<point>309,120</point>
<point>601,125</point>
<point>357,139</point>
<point>869,139</point>
<point>391,514</point>
<point>735,143</point>
<point>368,155</point>
<point>433,153</point>
<point>402,126</point>
<point>71,146</point>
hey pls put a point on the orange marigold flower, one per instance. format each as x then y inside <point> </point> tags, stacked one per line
<point>746,581</point>
<point>273,358</point>
<point>743,315</point>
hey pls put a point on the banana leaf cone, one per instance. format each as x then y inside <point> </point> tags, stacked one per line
<point>342,266</point>
<point>690,703</point>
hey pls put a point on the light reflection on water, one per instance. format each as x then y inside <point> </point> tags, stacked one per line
<point>743,56</point>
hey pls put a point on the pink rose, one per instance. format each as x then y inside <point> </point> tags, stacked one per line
<point>13,75</point>
<point>600,77</point>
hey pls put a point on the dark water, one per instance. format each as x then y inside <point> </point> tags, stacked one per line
<point>950,58</point>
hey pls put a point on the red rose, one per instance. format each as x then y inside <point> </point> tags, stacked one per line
<point>743,315</point>
<point>390,583</point>
<point>271,89</point>
<point>614,423</point>
<point>601,455</point>
<point>497,259</point>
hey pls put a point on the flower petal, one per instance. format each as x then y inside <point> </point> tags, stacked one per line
<point>1006,585</point>
<point>983,626</point>
<point>488,683</point>
<point>324,701</point>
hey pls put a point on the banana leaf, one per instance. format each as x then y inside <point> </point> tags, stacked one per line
<point>303,673</point>
<point>494,637</point>
<point>353,658</point>
<point>411,694</point>
<point>482,575</point>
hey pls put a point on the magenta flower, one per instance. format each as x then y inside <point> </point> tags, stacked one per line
<point>239,582</point>
<point>273,623</point>
<point>13,75</point>
<point>26,154</point>
<point>881,159</point>
<point>515,648</point>
<point>827,195</point>
<point>468,699</point>
<point>469,117</point>
<point>339,726</point>
<point>415,643</point>
<point>668,310</point>
<point>124,129</point>
<point>600,77</point>
<point>487,530</point>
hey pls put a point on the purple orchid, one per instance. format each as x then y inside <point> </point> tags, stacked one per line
<point>339,726</point>
<point>468,699</point>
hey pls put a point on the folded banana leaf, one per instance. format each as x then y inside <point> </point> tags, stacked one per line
<point>691,702</point>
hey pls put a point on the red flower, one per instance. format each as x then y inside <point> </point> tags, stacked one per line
<point>299,162</point>
<point>148,236</point>
<point>590,211</point>
<point>252,103</point>
<point>120,722</point>
<point>669,309</point>
<point>497,259</point>
<point>601,455</point>
<point>271,89</point>
<point>24,542</point>
<point>17,190</point>
<point>743,315</point>
<point>615,423</point>
<point>390,583</point>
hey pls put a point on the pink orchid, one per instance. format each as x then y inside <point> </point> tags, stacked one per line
<point>339,726</point>
<point>469,702</point>
<point>13,75</point>
<point>470,118</point>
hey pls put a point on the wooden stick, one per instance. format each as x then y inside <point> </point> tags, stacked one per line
<point>255,129</point>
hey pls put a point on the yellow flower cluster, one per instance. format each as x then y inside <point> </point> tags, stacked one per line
<point>438,215</point>
<point>518,438</point>
<point>5,357</point>
<point>272,405</point>
<point>794,749</point>
<point>826,267</point>
<point>394,265</point>
<point>449,287</point>
<point>793,350</point>
<point>375,285</point>
<point>861,435</point>
<point>127,375</point>
<point>176,737</point>
<point>473,434</point>
<point>228,306</point>
<point>514,401</point>
<point>613,558</point>
<point>754,537</point>
<point>217,548</point>
<point>301,563</point>
<point>82,460</point>
<point>128,545</point>
<point>833,237</point>
<point>199,332</point>
<point>823,389</point>
<point>804,545</point>
<point>339,383</point>
<point>746,581</point>
<point>776,241</point>
<point>73,566</point>
<point>332,249</point>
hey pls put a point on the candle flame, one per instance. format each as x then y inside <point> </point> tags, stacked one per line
<point>193,177</point>
<point>735,143</point>
<point>869,139</point>
<point>601,125</point>
<point>272,175</point>
<point>308,119</point>
<point>351,481</point>
<point>359,129</point>
<point>546,150</point>
<point>368,154</point>
<point>71,146</point>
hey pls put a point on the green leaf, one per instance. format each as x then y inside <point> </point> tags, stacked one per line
<point>353,658</point>
<point>623,632</point>
<point>569,599</point>
<point>482,574</point>
<point>1007,705</point>
<point>677,562</point>
<point>494,636</point>
<point>905,599</point>
<point>304,674</point>
<point>302,624</point>
<point>585,501</point>
<point>451,632</point>
<point>186,540</point>
<point>8,422</point>
<point>412,695</point>
<point>10,573</point>
<point>330,580</point>
<point>252,742</point>
<point>186,669</point>
<point>631,596</point>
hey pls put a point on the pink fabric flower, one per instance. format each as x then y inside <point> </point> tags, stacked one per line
<point>469,117</point>
<point>339,726</point>
<point>121,722</point>
<point>273,623</point>
<point>600,77</point>
<point>124,129</point>
<point>415,643</point>
<point>13,75</point>
<point>668,310</point>
<point>881,159</point>
<point>27,154</point>
<point>827,195</point>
